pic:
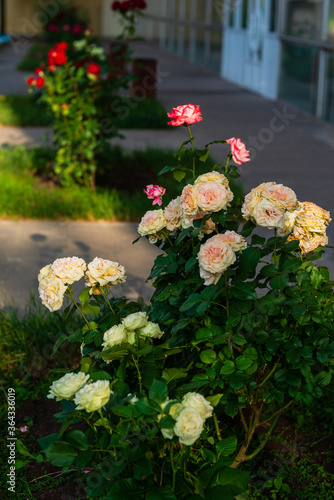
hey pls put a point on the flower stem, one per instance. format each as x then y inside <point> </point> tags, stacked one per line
<point>219,436</point>
<point>172,465</point>
<point>230,340</point>
<point>105,295</point>
<point>71,296</point>
<point>193,150</point>
<point>139,374</point>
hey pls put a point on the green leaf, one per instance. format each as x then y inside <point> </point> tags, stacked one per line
<point>191,263</point>
<point>323,378</point>
<point>194,299</point>
<point>278,282</point>
<point>227,446</point>
<point>179,175</point>
<point>100,375</point>
<point>126,489</point>
<point>228,368</point>
<point>85,364</point>
<point>162,493</point>
<point>158,391</point>
<point>214,400</point>
<point>292,246</point>
<point>77,439</point>
<point>208,356</point>
<point>90,309</point>
<point>243,291</point>
<point>60,453</point>
<point>249,259</point>
<point>218,493</point>
<point>22,449</point>
<point>142,469</point>
<point>173,374</point>
<point>204,156</point>
<point>84,296</point>
<point>234,479</point>
<point>242,362</point>
<point>61,339</point>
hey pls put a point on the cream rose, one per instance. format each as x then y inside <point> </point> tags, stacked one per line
<point>51,291</point>
<point>104,272</point>
<point>69,269</point>
<point>45,272</point>
<point>252,199</point>
<point>151,330</point>
<point>152,222</point>
<point>197,401</point>
<point>92,397</point>
<point>173,215</point>
<point>67,386</point>
<point>213,196</point>
<point>114,336</point>
<point>135,320</point>
<point>189,426</point>
<point>215,256</point>
<point>209,278</point>
<point>268,215</point>
<point>211,177</point>
<point>188,199</point>
<point>316,211</point>
<point>281,196</point>
<point>235,240</point>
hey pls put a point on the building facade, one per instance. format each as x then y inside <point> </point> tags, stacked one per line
<point>277,48</point>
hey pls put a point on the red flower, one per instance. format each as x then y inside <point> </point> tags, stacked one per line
<point>57,56</point>
<point>115,6</point>
<point>124,6</point>
<point>38,71</point>
<point>94,69</point>
<point>62,46</point>
<point>52,67</point>
<point>40,82</point>
<point>30,80</point>
<point>185,115</point>
<point>77,29</point>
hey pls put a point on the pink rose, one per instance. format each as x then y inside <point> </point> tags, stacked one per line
<point>238,151</point>
<point>213,196</point>
<point>185,115</point>
<point>155,193</point>
<point>215,256</point>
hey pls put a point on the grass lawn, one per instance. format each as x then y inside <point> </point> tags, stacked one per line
<point>24,110</point>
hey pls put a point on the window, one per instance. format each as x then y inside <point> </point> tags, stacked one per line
<point>304,19</point>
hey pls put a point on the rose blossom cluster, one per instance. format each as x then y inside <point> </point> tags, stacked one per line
<point>308,226</point>
<point>190,416</point>
<point>217,254</point>
<point>210,193</point>
<point>269,205</point>
<point>126,5</point>
<point>126,331</point>
<point>87,396</point>
<point>54,278</point>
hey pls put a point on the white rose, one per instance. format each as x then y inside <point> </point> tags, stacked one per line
<point>151,330</point>
<point>211,177</point>
<point>281,196</point>
<point>189,426</point>
<point>268,215</point>
<point>135,320</point>
<point>114,336</point>
<point>45,272</point>
<point>209,278</point>
<point>93,397</point>
<point>188,199</point>
<point>235,240</point>
<point>69,269</point>
<point>104,272</point>
<point>67,386</point>
<point>51,291</point>
<point>198,402</point>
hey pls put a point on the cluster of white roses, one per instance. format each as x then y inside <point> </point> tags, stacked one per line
<point>54,278</point>
<point>217,254</point>
<point>275,206</point>
<point>210,193</point>
<point>190,416</point>
<point>87,396</point>
<point>125,332</point>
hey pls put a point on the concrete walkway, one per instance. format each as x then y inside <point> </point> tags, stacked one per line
<point>287,146</point>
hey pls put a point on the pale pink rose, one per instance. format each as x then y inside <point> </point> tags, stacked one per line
<point>173,215</point>
<point>189,199</point>
<point>69,269</point>
<point>212,177</point>
<point>290,218</point>
<point>185,115</point>
<point>281,196</point>
<point>215,256</point>
<point>268,215</point>
<point>251,200</point>
<point>235,240</point>
<point>213,196</point>
<point>152,222</point>
<point>262,186</point>
<point>104,272</point>
<point>209,278</point>
<point>155,193</point>
<point>238,151</point>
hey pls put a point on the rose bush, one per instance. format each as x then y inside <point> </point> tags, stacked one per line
<point>239,327</point>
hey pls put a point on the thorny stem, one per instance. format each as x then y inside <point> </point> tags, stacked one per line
<point>173,469</point>
<point>193,150</point>
<point>102,418</point>
<point>227,162</point>
<point>217,427</point>
<point>268,376</point>
<point>264,442</point>
<point>105,295</point>
<point>242,417</point>
<point>71,296</point>
<point>228,315</point>
<point>278,412</point>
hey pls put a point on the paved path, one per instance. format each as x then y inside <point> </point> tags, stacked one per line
<point>287,146</point>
